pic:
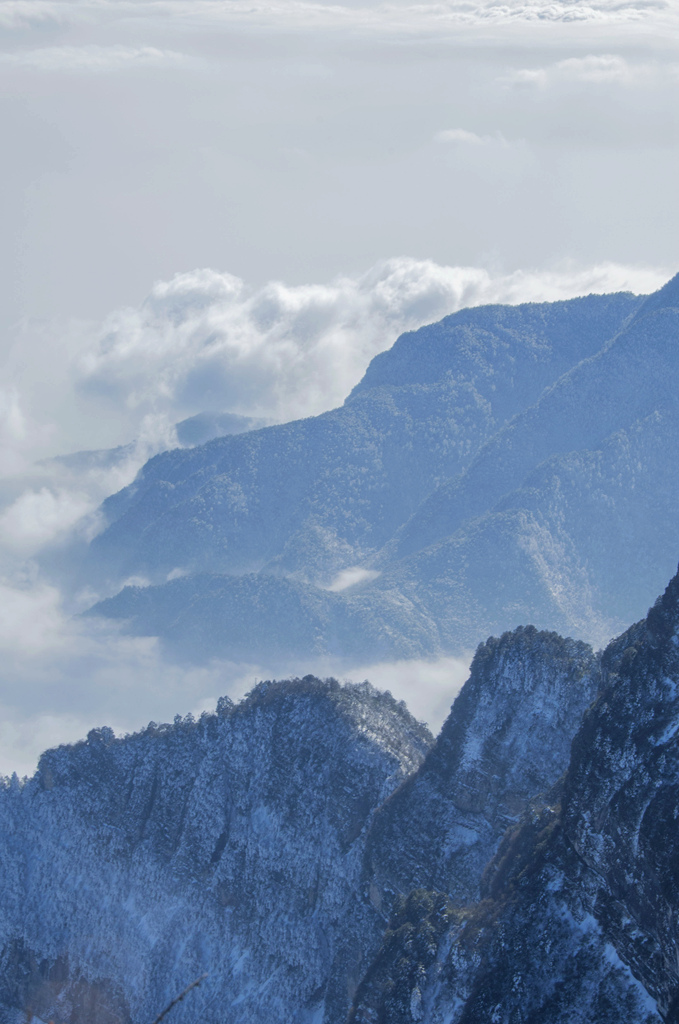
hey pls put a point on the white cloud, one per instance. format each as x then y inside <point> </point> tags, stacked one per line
<point>93,58</point>
<point>61,676</point>
<point>277,350</point>
<point>12,422</point>
<point>373,17</point>
<point>461,137</point>
<point>13,430</point>
<point>607,67</point>
<point>526,77</point>
<point>204,339</point>
<point>593,69</point>
<point>39,516</point>
<point>59,497</point>
<point>31,618</point>
<point>428,687</point>
<point>351,577</point>
<point>24,738</point>
<point>23,14</point>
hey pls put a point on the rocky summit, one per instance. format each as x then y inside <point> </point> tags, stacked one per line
<point>577,916</point>
<point>321,859</point>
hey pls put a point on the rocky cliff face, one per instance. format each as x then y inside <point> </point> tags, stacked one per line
<point>507,738</point>
<point>578,916</point>
<point>266,844</point>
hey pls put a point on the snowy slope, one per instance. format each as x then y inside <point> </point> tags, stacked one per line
<point>232,845</point>
<point>265,845</point>
<point>306,500</point>
<point>323,861</point>
<point>578,918</point>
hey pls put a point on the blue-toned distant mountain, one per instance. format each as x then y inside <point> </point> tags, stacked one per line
<point>208,425</point>
<point>487,471</point>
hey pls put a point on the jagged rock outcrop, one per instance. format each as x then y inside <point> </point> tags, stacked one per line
<point>506,739</point>
<point>268,843</point>
<point>318,855</point>
<point>578,918</point>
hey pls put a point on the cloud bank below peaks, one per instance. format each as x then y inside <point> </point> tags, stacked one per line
<point>202,341</point>
<point>205,341</point>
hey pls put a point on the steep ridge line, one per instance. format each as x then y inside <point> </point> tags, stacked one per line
<point>288,508</point>
<point>269,841</point>
<point>577,918</point>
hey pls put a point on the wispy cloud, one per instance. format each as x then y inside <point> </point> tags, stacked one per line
<point>382,17</point>
<point>593,69</point>
<point>94,59</point>
<point>462,137</point>
<point>278,349</point>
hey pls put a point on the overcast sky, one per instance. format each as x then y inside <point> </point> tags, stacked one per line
<point>228,204</point>
<point>297,141</point>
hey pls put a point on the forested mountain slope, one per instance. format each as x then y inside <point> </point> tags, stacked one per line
<point>231,845</point>
<point>261,844</point>
<point>306,500</point>
<point>317,495</point>
<point>314,852</point>
<point>484,494</point>
<point>625,382</point>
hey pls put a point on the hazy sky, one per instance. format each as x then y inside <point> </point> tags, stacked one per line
<point>300,141</point>
<point>229,204</point>
<point>297,140</point>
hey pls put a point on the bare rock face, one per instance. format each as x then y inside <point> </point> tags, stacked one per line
<point>577,922</point>
<point>507,738</point>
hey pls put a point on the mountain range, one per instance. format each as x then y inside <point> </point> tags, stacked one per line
<point>313,855</point>
<point>488,471</point>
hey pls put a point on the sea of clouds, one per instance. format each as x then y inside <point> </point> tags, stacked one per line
<point>202,340</point>
<point>287,139</point>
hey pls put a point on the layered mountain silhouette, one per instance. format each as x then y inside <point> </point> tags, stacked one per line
<point>322,860</point>
<point>506,465</point>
